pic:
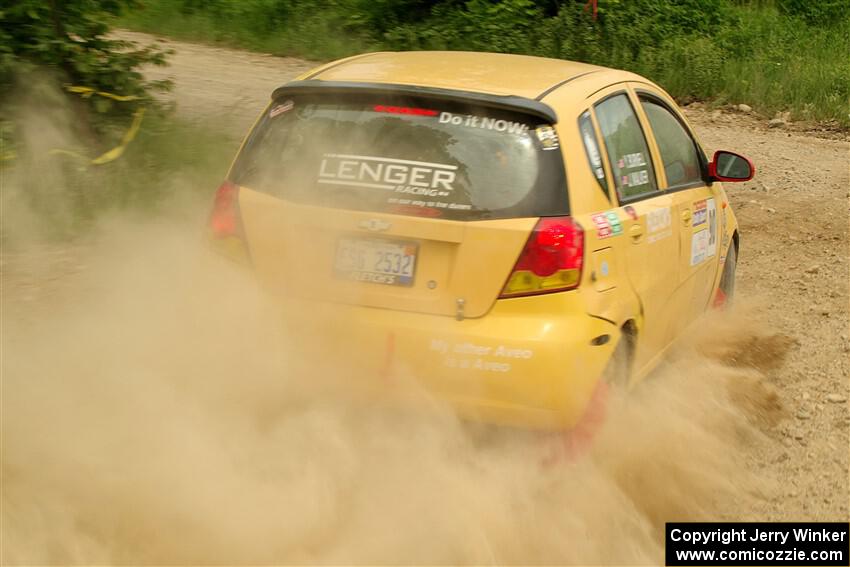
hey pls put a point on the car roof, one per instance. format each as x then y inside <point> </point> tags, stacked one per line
<point>489,73</point>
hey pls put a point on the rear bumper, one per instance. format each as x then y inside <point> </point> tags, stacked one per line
<point>529,362</point>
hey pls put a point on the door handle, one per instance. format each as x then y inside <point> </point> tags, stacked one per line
<point>686,216</point>
<point>636,232</point>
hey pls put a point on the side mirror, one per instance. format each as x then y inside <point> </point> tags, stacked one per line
<point>729,166</point>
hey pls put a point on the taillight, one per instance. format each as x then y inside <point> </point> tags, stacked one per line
<point>551,260</point>
<point>226,223</point>
<point>224,219</point>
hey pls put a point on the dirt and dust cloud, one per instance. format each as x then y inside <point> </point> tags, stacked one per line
<point>162,417</point>
<point>156,410</point>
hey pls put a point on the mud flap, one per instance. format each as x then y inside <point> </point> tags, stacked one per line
<point>574,443</point>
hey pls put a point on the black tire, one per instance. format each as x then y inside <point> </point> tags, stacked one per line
<point>727,279</point>
<point>618,372</point>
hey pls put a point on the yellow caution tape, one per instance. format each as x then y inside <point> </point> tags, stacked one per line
<point>115,152</point>
<point>60,152</point>
<point>87,92</point>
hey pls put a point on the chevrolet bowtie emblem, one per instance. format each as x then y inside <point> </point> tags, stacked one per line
<point>374,225</point>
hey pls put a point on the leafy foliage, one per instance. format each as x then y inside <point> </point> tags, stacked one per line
<point>70,38</point>
<point>772,54</point>
<point>820,12</point>
<point>48,134</point>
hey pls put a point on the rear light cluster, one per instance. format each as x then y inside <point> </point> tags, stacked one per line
<point>551,260</point>
<point>225,224</point>
<point>224,219</point>
<point>405,110</point>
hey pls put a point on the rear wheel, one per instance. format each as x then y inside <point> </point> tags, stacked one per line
<point>575,442</point>
<point>726,289</point>
<point>619,369</point>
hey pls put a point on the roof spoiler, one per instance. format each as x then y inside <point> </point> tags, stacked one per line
<point>508,102</point>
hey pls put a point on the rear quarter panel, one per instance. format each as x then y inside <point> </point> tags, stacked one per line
<point>604,286</point>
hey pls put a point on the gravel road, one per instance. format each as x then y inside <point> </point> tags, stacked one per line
<point>793,264</point>
<point>791,329</point>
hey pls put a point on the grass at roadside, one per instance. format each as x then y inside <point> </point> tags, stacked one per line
<point>313,34</point>
<point>171,168</point>
<point>713,50</point>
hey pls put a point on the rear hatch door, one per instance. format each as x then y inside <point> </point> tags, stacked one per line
<point>401,200</point>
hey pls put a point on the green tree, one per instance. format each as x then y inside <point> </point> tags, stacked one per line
<point>69,38</point>
<point>817,12</point>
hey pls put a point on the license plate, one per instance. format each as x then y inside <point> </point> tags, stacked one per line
<point>388,262</point>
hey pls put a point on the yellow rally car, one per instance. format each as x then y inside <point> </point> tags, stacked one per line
<point>511,230</point>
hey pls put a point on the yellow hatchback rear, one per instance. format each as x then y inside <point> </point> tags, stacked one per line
<point>422,218</point>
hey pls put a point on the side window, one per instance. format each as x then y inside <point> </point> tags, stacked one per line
<point>591,149</point>
<point>678,149</point>
<point>626,146</point>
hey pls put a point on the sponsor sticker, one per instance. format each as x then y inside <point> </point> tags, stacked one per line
<point>483,122</point>
<point>603,227</point>
<point>634,178</point>
<point>614,221</point>
<point>607,224</point>
<point>548,138</point>
<point>712,227</point>
<point>279,109</point>
<point>629,161</point>
<point>700,212</point>
<point>658,224</point>
<point>699,246</point>
<point>658,219</point>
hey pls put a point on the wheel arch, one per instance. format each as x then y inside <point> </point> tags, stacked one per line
<point>629,333</point>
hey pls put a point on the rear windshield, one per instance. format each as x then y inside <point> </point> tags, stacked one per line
<point>423,157</point>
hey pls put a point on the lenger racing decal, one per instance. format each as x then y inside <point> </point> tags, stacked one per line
<point>398,175</point>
